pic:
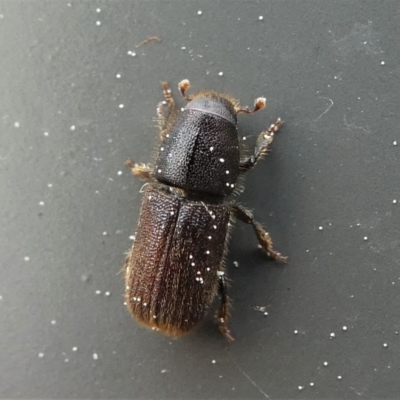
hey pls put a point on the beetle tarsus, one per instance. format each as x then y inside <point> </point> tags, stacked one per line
<point>263,236</point>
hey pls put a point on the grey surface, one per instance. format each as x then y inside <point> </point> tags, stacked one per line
<point>330,69</point>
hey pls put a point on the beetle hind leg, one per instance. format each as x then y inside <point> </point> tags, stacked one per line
<point>264,140</point>
<point>263,236</point>
<point>223,312</point>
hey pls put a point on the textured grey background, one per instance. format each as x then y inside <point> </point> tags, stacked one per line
<point>330,69</point>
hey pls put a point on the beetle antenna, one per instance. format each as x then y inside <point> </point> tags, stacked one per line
<point>183,87</point>
<point>259,104</point>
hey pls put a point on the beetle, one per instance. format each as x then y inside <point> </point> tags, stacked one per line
<point>175,267</point>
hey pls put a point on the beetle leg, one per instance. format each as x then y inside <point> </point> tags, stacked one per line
<point>165,109</point>
<point>143,171</point>
<point>264,140</point>
<point>223,312</point>
<point>263,236</point>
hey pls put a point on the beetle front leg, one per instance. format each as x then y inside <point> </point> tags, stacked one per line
<point>264,140</point>
<point>223,312</point>
<point>165,110</point>
<point>263,236</point>
<point>143,171</point>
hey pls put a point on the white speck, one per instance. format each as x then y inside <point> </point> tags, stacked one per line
<point>95,356</point>
<point>1,297</point>
<point>295,331</point>
<point>227,172</point>
<point>332,335</point>
<point>300,387</point>
<point>385,345</point>
<point>344,328</point>
<point>382,62</point>
<point>66,360</point>
<point>208,268</point>
<point>41,355</point>
<point>41,203</point>
<point>211,148</point>
<point>221,160</point>
<point>53,321</point>
<point>107,293</point>
<point>26,258</point>
<point>74,348</point>
<point>320,228</point>
<point>171,213</point>
<point>236,264</point>
<point>190,256</point>
<point>215,226</point>
<point>209,238</point>
<point>183,48</point>
<point>208,252</point>
<point>339,377</point>
<point>213,361</point>
<point>198,273</point>
<point>325,363</point>
<point>119,173</point>
<point>72,128</point>
<point>260,17</point>
<point>244,138</point>
<point>118,76</point>
<point>98,23</point>
<point>192,264</point>
<point>232,185</point>
<point>227,184</point>
<point>121,106</point>
<point>132,237</point>
<point>394,201</point>
<point>365,237</point>
<point>163,371</point>
<point>98,291</point>
<point>46,133</point>
<point>98,10</point>
<point>395,143</point>
<point>199,12</point>
<point>131,53</point>
<point>311,384</point>
<point>17,124</point>
<point>220,73</point>
<point>104,233</point>
<point>159,171</point>
<point>220,273</point>
<point>162,149</point>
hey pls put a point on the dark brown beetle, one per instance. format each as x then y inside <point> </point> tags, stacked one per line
<point>176,265</point>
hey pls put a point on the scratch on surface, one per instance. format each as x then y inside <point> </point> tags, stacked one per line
<point>249,379</point>
<point>349,126</point>
<point>329,107</point>
<point>354,390</point>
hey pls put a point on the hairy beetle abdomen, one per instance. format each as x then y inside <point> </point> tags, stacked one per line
<point>200,154</point>
<point>172,269</point>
